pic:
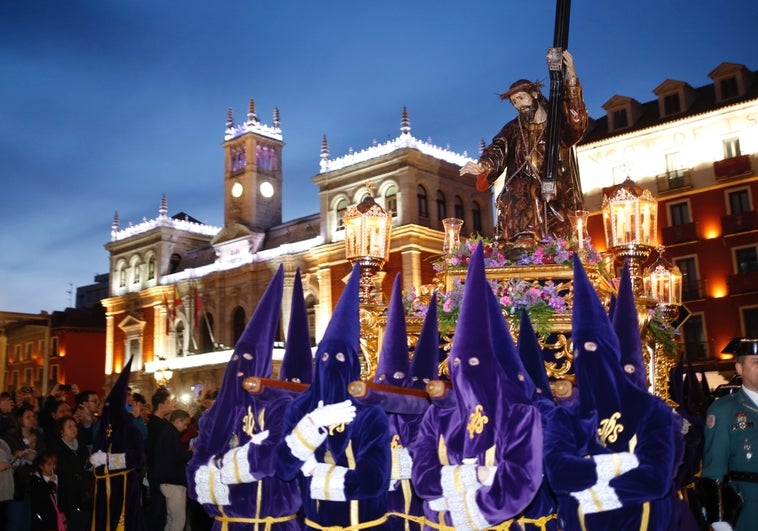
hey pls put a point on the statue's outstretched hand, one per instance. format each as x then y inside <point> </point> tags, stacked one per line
<point>472,168</point>
<point>568,62</point>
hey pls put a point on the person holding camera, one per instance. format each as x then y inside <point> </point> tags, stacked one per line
<point>87,414</point>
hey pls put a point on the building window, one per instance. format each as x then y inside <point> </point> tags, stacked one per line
<point>340,210</point>
<point>679,213</point>
<point>54,347</point>
<point>441,206</point>
<point>28,352</point>
<point>53,373</point>
<point>173,262</point>
<point>746,259</point>
<point>136,268</point>
<point>151,268</point>
<point>238,158</point>
<point>122,277</point>
<point>620,119</point>
<point>423,209</point>
<point>739,202</point>
<point>27,377</point>
<point>238,323</point>
<point>728,87</point>
<point>390,200</point>
<point>695,347</point>
<point>690,279</point>
<point>750,320</point>
<point>17,356</point>
<point>206,336</point>
<point>476,215</point>
<point>41,348</point>
<point>458,207</point>
<point>671,104</point>
<point>40,376</point>
<point>732,148</point>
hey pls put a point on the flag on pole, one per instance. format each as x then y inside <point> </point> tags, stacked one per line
<point>198,306</point>
<point>177,302</point>
<point>168,314</point>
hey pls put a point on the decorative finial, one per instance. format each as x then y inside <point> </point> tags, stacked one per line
<point>482,145</point>
<point>405,123</point>
<point>324,148</point>
<point>229,118</point>
<point>251,117</point>
<point>276,117</point>
<point>115,224</point>
<point>163,210</point>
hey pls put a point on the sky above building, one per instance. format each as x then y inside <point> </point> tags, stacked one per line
<point>106,105</point>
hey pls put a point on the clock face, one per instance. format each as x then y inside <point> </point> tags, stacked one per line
<point>267,189</point>
<point>237,190</point>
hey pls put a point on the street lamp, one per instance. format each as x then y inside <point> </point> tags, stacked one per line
<point>162,374</point>
<point>367,241</point>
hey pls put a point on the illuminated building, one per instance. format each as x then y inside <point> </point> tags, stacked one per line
<point>696,150</point>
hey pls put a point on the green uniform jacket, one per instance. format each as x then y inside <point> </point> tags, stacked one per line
<point>731,443</point>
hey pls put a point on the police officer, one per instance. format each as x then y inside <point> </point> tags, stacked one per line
<point>731,436</point>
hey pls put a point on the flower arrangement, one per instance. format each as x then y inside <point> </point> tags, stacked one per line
<point>548,251</point>
<point>663,333</point>
<point>539,300</point>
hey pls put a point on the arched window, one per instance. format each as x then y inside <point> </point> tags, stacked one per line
<point>206,341</point>
<point>441,206</point>
<point>173,263</point>
<point>122,276</point>
<point>136,271</point>
<point>476,215</point>
<point>390,200</point>
<point>458,207</point>
<point>341,209</point>
<point>151,268</point>
<point>423,209</point>
<point>238,323</point>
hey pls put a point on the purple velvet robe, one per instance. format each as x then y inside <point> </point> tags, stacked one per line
<point>516,451</point>
<point>269,496</point>
<point>363,447</point>
<point>402,499</point>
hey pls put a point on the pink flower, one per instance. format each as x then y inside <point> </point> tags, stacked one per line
<point>447,306</point>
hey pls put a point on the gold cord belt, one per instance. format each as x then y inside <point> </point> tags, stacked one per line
<point>540,522</point>
<point>364,525</point>
<point>268,521</point>
<point>107,477</point>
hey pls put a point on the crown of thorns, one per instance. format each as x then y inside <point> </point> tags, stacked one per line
<point>522,85</point>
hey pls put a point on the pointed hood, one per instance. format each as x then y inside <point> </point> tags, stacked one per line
<point>478,380</point>
<point>337,362</point>
<point>115,420</point>
<point>251,357</point>
<point>393,366</point>
<point>297,363</point>
<point>426,354</point>
<point>521,388</point>
<point>604,389</point>
<point>531,356</point>
<point>625,324</point>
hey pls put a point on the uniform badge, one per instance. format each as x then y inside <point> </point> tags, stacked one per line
<point>710,421</point>
<point>742,420</point>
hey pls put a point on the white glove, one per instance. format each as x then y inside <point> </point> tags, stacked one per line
<point>440,504</point>
<point>341,412</point>
<point>609,466</point>
<point>259,437</point>
<point>721,526</point>
<point>309,466</point>
<point>99,458</point>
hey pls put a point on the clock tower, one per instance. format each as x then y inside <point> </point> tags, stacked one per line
<point>252,172</point>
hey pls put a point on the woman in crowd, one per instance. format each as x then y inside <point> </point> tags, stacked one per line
<point>75,480</point>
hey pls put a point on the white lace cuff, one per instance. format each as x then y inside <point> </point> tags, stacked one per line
<point>304,439</point>
<point>116,461</point>
<point>609,466</point>
<point>236,467</point>
<point>328,482</point>
<point>459,487</point>
<point>598,498</point>
<point>401,464</point>
<point>208,486</point>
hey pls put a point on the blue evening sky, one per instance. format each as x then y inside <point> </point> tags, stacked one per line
<point>107,104</point>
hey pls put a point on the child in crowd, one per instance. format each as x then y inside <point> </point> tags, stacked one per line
<point>44,496</point>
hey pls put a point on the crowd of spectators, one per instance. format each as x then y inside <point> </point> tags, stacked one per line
<point>46,478</point>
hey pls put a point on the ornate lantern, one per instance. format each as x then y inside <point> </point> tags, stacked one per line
<point>663,281</point>
<point>630,218</point>
<point>162,374</point>
<point>367,241</point>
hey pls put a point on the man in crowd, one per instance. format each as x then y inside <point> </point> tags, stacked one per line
<point>163,405</point>
<point>87,413</point>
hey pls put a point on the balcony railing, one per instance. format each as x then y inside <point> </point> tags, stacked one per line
<point>732,167</point>
<point>693,290</point>
<point>675,180</point>
<point>742,282</point>
<point>735,223</point>
<point>686,232</point>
